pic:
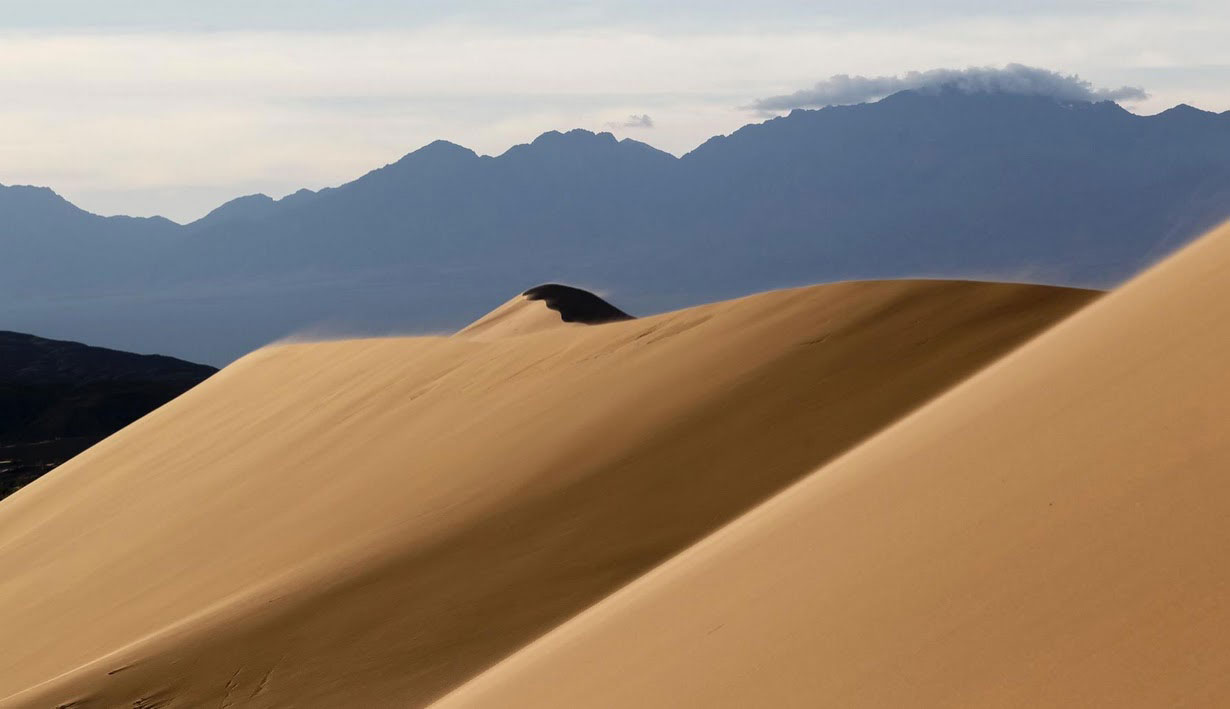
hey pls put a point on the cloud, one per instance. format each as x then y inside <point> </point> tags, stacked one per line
<point>843,89</point>
<point>634,121</point>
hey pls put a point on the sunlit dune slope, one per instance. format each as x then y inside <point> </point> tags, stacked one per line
<point>1052,533</point>
<point>372,522</point>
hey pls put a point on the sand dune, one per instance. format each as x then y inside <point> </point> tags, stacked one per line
<point>1051,533</point>
<point>373,522</point>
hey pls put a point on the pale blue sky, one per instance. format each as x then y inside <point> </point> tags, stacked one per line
<point>143,107</point>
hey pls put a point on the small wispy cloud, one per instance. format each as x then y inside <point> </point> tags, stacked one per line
<point>634,121</point>
<point>843,89</point>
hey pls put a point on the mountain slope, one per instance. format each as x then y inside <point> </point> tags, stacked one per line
<point>1016,186</point>
<point>54,248</point>
<point>985,186</point>
<point>1050,533</point>
<point>371,522</point>
<point>59,398</point>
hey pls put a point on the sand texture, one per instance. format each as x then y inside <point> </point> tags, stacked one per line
<point>1051,533</point>
<point>376,522</point>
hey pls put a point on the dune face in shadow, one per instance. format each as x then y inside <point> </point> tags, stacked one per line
<point>545,307</point>
<point>374,522</point>
<point>576,305</point>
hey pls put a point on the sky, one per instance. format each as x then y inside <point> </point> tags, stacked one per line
<point>147,107</point>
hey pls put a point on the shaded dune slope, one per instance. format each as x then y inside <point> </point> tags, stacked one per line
<point>1050,533</point>
<point>576,305</point>
<point>541,308</point>
<point>372,522</point>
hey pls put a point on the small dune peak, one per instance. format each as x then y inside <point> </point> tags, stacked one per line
<point>544,307</point>
<point>576,305</point>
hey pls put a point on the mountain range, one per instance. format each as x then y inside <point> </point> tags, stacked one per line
<point>944,184</point>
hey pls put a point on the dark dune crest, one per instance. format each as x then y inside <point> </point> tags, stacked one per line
<point>576,305</point>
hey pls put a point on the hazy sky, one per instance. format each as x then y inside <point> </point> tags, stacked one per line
<point>166,107</point>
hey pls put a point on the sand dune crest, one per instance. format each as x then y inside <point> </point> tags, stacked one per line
<point>541,308</point>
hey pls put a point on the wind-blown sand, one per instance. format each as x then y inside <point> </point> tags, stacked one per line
<point>1053,533</point>
<point>373,522</point>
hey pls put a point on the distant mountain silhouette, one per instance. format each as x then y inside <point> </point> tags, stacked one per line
<point>944,184</point>
<point>58,398</point>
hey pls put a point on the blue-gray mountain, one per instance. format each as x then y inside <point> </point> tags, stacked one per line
<point>984,186</point>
